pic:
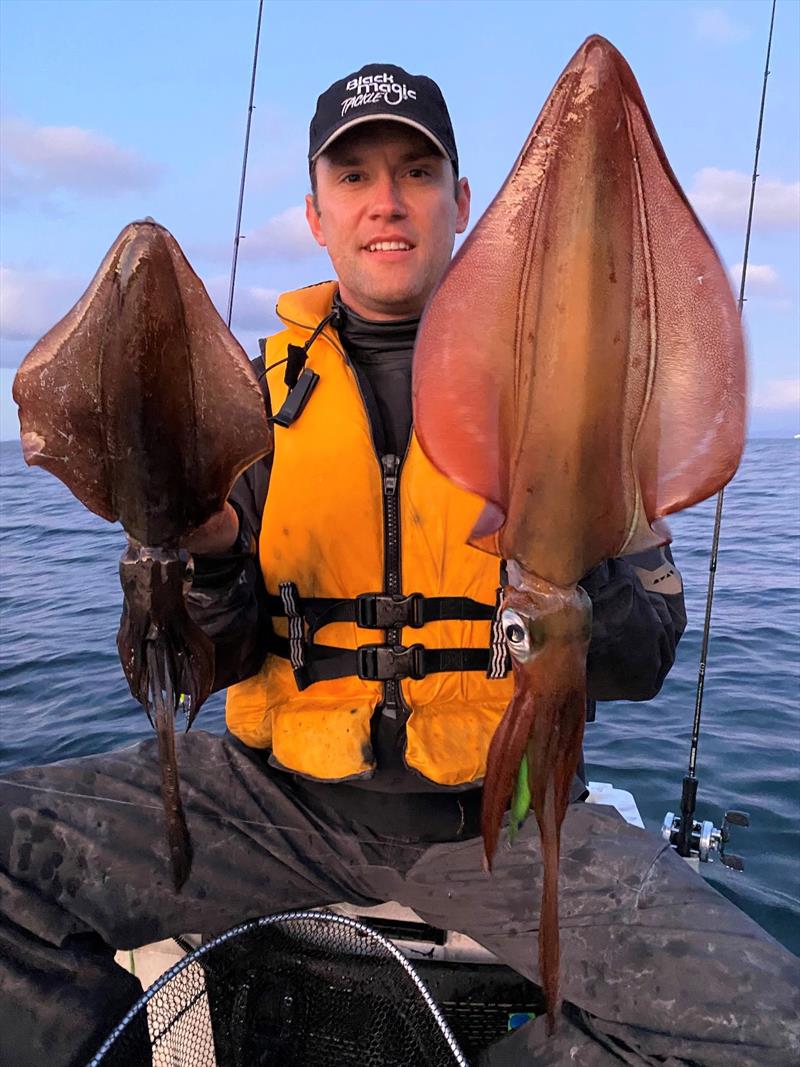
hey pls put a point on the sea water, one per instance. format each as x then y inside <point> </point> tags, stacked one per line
<point>63,692</point>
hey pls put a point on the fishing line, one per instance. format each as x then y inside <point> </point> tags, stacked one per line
<point>237,236</point>
<point>225,820</point>
<point>689,794</point>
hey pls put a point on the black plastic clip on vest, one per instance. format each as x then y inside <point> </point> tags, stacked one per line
<point>297,399</point>
<point>301,382</point>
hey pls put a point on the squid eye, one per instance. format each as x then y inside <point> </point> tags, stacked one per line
<point>516,633</point>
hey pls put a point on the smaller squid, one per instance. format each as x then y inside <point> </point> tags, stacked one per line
<point>143,403</point>
<point>581,367</point>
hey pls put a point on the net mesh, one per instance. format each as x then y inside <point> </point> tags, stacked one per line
<point>300,989</point>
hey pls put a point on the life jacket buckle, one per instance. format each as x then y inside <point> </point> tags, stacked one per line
<point>388,611</point>
<point>383,663</point>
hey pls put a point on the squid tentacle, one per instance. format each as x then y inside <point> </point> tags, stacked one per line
<point>163,702</point>
<point>542,731</point>
<point>164,655</point>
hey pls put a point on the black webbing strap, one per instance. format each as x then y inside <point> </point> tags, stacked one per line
<point>328,662</point>
<point>384,611</point>
<point>379,663</point>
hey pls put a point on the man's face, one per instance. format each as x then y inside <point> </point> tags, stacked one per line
<point>381,184</point>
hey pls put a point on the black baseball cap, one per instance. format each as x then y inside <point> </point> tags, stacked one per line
<point>382,91</point>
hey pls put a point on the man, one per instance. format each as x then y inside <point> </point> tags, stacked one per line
<point>354,627</point>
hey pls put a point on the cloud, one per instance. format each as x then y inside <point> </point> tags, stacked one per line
<point>285,236</point>
<point>31,301</point>
<point>778,394</point>
<point>761,277</point>
<point>715,24</point>
<point>253,305</point>
<point>764,284</point>
<point>40,160</point>
<point>254,309</point>
<point>723,196</point>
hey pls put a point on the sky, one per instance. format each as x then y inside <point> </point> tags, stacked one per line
<point>113,110</point>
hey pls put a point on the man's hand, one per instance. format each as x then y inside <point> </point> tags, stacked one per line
<point>216,536</point>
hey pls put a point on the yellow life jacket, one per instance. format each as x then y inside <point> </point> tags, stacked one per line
<point>347,622</point>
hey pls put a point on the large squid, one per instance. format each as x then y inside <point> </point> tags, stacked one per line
<point>143,403</point>
<point>581,367</point>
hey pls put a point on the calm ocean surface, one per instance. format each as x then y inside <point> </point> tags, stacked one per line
<point>64,694</point>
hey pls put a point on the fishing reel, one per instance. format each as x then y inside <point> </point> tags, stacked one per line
<point>704,839</point>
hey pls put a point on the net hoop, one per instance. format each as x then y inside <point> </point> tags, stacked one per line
<point>311,917</point>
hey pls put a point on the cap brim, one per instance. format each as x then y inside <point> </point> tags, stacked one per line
<point>384,117</point>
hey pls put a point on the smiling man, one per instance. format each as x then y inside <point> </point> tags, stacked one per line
<point>357,633</point>
<point>387,206</point>
<point>387,200</point>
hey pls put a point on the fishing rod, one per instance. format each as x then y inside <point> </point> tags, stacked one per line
<point>692,838</point>
<point>237,236</point>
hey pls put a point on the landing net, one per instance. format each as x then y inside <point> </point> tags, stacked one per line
<point>299,989</point>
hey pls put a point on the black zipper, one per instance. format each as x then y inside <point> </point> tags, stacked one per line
<point>392,578</point>
<point>390,467</point>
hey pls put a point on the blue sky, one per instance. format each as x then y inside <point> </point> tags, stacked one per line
<point>116,110</point>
